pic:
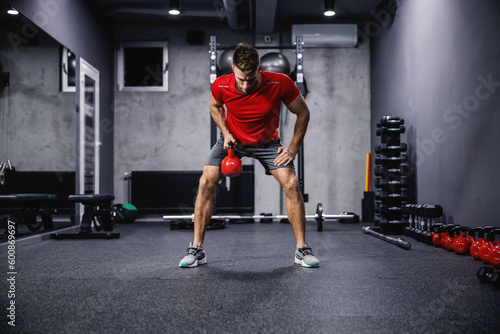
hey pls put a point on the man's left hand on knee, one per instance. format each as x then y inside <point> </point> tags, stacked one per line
<point>285,156</point>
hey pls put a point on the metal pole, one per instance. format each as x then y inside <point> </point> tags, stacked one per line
<point>213,126</point>
<point>213,76</point>
<point>398,242</point>
<point>181,217</point>
<point>300,84</point>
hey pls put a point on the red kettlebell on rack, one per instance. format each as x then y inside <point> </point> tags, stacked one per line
<point>494,255</point>
<point>231,165</point>
<point>461,244</point>
<point>484,250</point>
<point>474,248</point>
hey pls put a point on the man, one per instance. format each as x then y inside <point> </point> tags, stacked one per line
<point>253,101</point>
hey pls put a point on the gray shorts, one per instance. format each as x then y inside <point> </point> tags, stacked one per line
<point>265,154</point>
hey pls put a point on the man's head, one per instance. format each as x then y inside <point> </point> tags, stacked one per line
<point>246,58</point>
<point>246,67</point>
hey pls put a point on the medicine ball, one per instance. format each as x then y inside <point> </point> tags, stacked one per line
<point>129,212</point>
<point>124,213</point>
<point>275,62</point>
<point>116,215</point>
<point>226,62</point>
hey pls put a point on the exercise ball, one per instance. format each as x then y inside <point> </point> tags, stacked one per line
<point>124,213</point>
<point>226,62</point>
<point>129,212</point>
<point>275,62</point>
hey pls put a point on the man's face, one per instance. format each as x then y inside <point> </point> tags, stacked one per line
<point>246,82</point>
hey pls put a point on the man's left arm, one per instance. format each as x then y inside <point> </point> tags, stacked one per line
<point>300,109</point>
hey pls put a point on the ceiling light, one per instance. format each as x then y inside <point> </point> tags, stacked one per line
<point>329,8</point>
<point>174,7</point>
<point>12,11</point>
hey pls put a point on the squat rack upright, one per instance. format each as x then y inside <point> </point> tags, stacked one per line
<point>299,82</point>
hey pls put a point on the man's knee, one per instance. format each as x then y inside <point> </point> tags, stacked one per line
<point>208,181</point>
<point>291,184</point>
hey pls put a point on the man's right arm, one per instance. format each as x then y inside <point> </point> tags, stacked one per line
<point>219,117</point>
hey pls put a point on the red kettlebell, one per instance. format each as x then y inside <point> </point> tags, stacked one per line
<point>494,255</point>
<point>474,248</point>
<point>472,234</point>
<point>461,244</point>
<point>436,234</point>
<point>484,250</point>
<point>231,165</point>
<point>450,239</point>
<point>445,233</point>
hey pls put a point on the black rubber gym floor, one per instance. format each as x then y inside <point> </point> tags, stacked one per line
<point>250,285</point>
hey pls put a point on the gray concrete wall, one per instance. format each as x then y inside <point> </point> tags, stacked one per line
<point>438,67</point>
<point>36,119</point>
<point>170,131</point>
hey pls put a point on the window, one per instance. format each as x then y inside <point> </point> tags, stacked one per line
<point>143,66</point>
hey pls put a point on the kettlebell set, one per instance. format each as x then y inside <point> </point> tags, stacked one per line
<point>479,242</point>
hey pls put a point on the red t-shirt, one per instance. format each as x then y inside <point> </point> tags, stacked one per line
<point>253,119</point>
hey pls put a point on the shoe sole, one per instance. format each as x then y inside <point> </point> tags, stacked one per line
<point>195,264</point>
<point>303,264</point>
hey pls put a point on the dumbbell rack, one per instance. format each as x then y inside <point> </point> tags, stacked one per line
<point>390,175</point>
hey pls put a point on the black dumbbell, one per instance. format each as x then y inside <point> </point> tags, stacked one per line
<point>383,183</point>
<point>489,275</point>
<point>380,171</point>
<point>405,210</point>
<point>388,120</point>
<point>381,195</point>
<point>384,148</point>
<point>433,211</point>
<point>380,159</point>
<point>390,127</point>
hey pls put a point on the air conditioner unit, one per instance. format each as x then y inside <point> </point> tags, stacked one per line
<point>326,35</point>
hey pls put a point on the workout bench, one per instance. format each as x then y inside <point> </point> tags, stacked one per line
<point>97,210</point>
<point>29,207</point>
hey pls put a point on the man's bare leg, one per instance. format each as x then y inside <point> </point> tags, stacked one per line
<point>203,207</point>
<point>294,202</point>
<point>296,215</point>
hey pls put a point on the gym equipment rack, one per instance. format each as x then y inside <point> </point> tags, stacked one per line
<point>391,172</point>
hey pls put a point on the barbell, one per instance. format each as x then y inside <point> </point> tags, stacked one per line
<point>320,217</point>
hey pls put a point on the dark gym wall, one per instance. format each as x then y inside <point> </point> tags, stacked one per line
<point>84,31</point>
<point>437,65</point>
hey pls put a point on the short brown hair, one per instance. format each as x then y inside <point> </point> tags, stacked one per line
<point>246,58</point>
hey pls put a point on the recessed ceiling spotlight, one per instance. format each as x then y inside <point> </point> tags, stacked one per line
<point>12,11</point>
<point>329,8</point>
<point>174,7</point>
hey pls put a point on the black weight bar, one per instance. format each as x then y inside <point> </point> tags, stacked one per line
<point>396,241</point>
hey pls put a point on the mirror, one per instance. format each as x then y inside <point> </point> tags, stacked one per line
<point>37,121</point>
